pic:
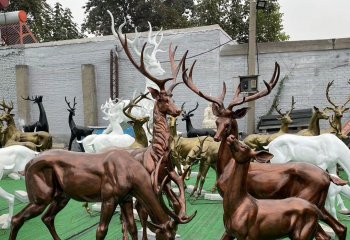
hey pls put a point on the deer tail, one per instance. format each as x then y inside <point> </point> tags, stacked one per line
<point>337,180</point>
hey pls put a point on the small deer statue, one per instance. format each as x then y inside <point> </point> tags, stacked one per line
<point>42,124</point>
<point>314,125</point>
<point>191,131</point>
<point>258,141</point>
<point>77,132</point>
<point>248,218</point>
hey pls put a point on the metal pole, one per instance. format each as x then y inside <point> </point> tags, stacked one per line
<point>251,63</point>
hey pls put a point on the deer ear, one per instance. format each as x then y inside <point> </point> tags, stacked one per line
<point>154,92</point>
<point>240,113</point>
<point>215,109</point>
<point>263,156</point>
<point>346,109</point>
<point>316,109</point>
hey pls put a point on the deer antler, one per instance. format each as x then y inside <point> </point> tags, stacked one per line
<point>28,99</point>
<point>194,109</point>
<point>5,107</point>
<point>133,103</point>
<point>346,102</point>
<point>327,93</point>
<point>278,110</point>
<point>292,107</point>
<point>68,103</point>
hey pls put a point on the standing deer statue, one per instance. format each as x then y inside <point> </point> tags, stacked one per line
<point>42,124</point>
<point>246,217</point>
<point>137,122</point>
<point>164,105</point>
<point>109,177</point>
<point>265,181</point>
<point>194,132</point>
<point>11,136</point>
<point>314,125</point>
<point>76,132</point>
<point>258,141</point>
<point>337,110</point>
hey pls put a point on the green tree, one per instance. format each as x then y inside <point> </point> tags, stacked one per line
<point>233,17</point>
<point>161,13</point>
<point>47,24</point>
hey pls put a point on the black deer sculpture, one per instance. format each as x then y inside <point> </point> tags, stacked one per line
<point>77,132</point>
<point>42,124</point>
<point>191,131</point>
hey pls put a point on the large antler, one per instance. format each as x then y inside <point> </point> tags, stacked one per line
<point>68,103</point>
<point>292,107</point>
<point>327,93</point>
<point>194,109</point>
<point>5,107</point>
<point>141,67</point>
<point>133,103</point>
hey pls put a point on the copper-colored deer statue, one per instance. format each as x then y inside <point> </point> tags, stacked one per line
<point>38,141</point>
<point>258,141</point>
<point>266,181</point>
<point>137,122</point>
<point>108,177</point>
<point>314,125</point>
<point>246,217</point>
<point>163,106</point>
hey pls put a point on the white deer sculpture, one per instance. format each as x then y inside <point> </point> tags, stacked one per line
<point>325,151</point>
<point>13,160</point>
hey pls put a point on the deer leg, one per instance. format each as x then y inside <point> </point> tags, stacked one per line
<point>143,218</point>
<point>30,211</point>
<point>10,199</point>
<point>80,144</point>
<point>49,217</point>
<point>72,137</point>
<point>129,220</point>
<point>203,176</point>
<point>227,237</point>
<point>197,180</point>
<point>339,229</point>
<point>107,211</point>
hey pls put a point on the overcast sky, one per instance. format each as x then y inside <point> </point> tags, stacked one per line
<point>302,20</point>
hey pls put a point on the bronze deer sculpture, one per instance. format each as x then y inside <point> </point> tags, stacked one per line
<point>246,217</point>
<point>258,141</point>
<point>264,180</point>
<point>108,177</point>
<point>137,122</point>
<point>41,124</point>
<point>164,105</point>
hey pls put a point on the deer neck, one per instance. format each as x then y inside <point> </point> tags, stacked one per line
<point>10,130</point>
<point>71,121</point>
<point>314,125</point>
<point>42,115</point>
<point>284,128</point>
<point>140,134</point>
<point>161,135</point>
<point>189,126</point>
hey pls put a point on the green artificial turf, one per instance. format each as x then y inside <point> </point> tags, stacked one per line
<point>74,223</point>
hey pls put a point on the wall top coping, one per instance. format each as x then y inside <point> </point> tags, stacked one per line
<point>214,27</point>
<point>288,46</point>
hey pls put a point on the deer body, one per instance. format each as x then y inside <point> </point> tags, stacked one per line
<point>248,218</point>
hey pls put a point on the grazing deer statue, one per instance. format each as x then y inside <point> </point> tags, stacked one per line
<point>42,124</point>
<point>164,105</point>
<point>337,110</point>
<point>264,180</point>
<point>108,177</point>
<point>11,136</point>
<point>258,141</point>
<point>194,132</point>
<point>137,122</point>
<point>314,125</point>
<point>76,132</point>
<point>246,217</point>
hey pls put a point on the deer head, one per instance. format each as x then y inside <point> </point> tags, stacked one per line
<point>320,114</point>
<point>7,116</point>
<point>337,130</point>
<point>226,122</point>
<point>285,118</point>
<point>242,153</point>
<point>187,116</point>
<point>36,99</point>
<point>338,110</point>
<point>164,102</point>
<point>71,110</point>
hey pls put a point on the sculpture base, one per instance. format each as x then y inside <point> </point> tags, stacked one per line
<point>96,207</point>
<point>194,174</point>
<point>152,236</point>
<point>22,196</point>
<point>213,196</point>
<point>4,221</point>
<point>14,176</point>
<point>190,188</point>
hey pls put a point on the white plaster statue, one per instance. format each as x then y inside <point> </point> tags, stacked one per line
<point>209,119</point>
<point>325,151</point>
<point>5,219</point>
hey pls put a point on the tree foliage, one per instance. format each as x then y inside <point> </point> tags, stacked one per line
<point>45,22</point>
<point>161,13</point>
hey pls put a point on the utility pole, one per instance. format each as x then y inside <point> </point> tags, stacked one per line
<point>251,63</point>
